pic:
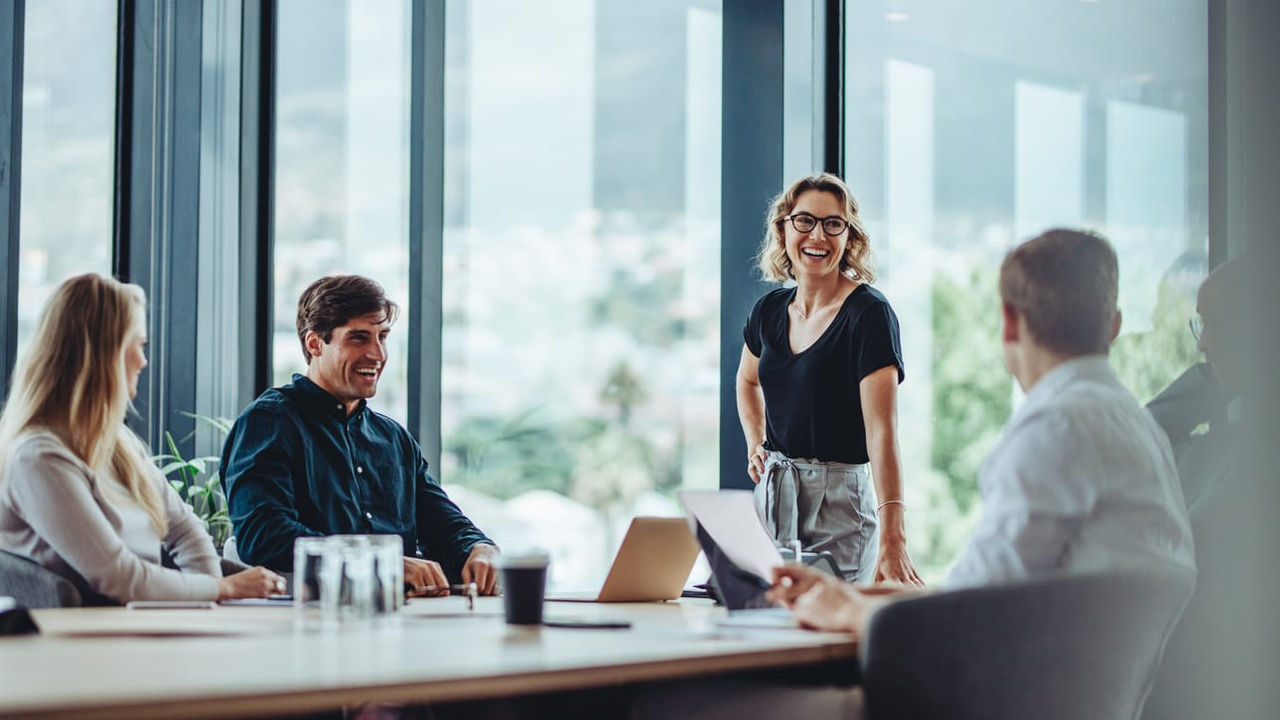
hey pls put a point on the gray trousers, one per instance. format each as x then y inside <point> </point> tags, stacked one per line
<point>827,506</point>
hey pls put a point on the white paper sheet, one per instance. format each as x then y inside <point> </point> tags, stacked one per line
<point>729,516</point>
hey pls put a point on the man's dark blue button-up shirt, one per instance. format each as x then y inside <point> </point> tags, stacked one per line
<point>296,465</point>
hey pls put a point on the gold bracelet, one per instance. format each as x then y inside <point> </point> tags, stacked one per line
<point>890,502</point>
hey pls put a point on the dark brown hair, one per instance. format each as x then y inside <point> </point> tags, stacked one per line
<point>331,301</point>
<point>1065,283</point>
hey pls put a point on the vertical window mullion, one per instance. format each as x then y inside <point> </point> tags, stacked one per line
<point>426,224</point>
<point>12,20</point>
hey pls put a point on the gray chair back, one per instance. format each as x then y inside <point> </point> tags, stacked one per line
<point>33,586</point>
<point>1083,646</point>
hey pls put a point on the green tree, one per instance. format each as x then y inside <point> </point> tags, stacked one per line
<point>1146,362</point>
<point>971,397</point>
<point>504,457</point>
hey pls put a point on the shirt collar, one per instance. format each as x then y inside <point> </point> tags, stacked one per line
<point>1095,367</point>
<point>319,398</point>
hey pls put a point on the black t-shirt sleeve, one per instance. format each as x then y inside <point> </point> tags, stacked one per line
<point>876,343</point>
<point>752,332</point>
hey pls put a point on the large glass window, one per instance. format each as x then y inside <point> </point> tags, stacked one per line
<point>68,143</point>
<point>342,166</point>
<point>972,128</point>
<point>581,268</point>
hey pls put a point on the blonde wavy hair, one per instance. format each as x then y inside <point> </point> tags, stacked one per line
<point>71,381</point>
<point>772,257</point>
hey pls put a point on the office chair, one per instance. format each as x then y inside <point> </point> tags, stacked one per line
<point>33,586</point>
<point>1084,646</point>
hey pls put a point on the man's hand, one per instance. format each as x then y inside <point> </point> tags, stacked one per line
<point>481,568</point>
<point>422,574</point>
<point>818,600</point>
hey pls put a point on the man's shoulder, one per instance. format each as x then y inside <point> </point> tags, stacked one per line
<point>270,415</point>
<point>1088,420</point>
<point>273,401</point>
<point>1074,411</point>
<point>1089,402</point>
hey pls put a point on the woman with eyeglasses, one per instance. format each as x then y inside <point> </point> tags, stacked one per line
<point>817,389</point>
<point>78,494</point>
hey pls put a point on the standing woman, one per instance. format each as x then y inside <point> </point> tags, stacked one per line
<point>78,494</point>
<point>817,388</point>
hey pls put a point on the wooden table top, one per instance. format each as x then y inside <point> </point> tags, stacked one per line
<point>251,661</point>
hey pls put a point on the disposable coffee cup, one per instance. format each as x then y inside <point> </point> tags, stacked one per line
<point>524,583</point>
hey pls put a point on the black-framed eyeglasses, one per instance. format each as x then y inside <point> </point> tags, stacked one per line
<point>1196,323</point>
<point>804,222</point>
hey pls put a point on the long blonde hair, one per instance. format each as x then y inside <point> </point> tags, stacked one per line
<point>71,381</point>
<point>772,258</point>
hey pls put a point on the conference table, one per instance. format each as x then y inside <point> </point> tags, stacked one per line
<point>251,661</point>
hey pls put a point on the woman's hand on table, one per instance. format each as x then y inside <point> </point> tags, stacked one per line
<point>893,565</point>
<point>254,582</point>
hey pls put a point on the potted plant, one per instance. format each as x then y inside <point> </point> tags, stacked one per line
<point>197,481</point>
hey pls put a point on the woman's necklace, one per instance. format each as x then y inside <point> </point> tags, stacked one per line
<point>800,311</point>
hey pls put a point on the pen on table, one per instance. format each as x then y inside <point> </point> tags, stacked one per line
<point>468,589</point>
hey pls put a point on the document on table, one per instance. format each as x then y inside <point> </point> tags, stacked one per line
<point>729,516</point>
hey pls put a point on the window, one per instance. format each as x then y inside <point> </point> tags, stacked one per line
<point>68,145</point>
<point>341,166</point>
<point>581,268</point>
<point>970,130</point>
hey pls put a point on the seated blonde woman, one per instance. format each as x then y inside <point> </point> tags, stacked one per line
<point>78,494</point>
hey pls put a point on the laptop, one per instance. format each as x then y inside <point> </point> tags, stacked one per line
<point>653,562</point>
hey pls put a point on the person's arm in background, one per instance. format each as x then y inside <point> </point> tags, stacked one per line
<point>448,537</point>
<point>751,412</point>
<point>259,481</point>
<point>879,393</point>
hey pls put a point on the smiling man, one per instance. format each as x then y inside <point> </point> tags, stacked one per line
<point>310,458</point>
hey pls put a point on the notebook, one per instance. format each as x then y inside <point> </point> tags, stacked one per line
<point>653,562</point>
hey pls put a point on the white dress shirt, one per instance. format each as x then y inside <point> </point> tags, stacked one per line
<point>1082,480</point>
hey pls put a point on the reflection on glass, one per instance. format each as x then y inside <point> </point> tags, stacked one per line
<point>342,172</point>
<point>972,128</point>
<point>68,127</point>
<point>581,268</point>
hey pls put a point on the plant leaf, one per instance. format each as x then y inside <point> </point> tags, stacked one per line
<point>170,467</point>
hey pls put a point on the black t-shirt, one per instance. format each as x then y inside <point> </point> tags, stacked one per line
<point>812,405</point>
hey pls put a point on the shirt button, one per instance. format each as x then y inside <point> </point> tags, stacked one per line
<point>359,469</point>
<point>339,406</point>
<point>368,516</point>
